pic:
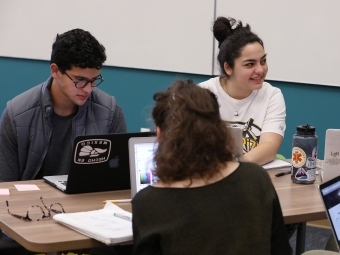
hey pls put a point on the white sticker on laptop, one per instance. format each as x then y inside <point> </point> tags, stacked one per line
<point>92,151</point>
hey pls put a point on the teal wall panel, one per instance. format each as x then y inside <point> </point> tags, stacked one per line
<point>134,88</point>
<point>312,104</point>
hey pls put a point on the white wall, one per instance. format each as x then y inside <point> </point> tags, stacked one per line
<point>301,37</point>
<point>149,34</point>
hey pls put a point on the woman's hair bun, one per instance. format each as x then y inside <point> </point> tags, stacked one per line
<point>223,28</point>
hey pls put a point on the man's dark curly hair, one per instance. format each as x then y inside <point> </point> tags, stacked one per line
<point>77,48</point>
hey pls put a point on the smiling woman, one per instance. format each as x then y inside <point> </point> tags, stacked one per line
<point>245,99</point>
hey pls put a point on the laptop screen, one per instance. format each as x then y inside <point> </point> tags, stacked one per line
<point>330,193</point>
<point>141,152</point>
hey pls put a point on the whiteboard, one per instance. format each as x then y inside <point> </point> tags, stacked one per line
<point>150,34</point>
<point>301,37</point>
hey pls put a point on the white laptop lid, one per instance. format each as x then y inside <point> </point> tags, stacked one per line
<point>141,154</point>
<point>236,142</point>
<point>331,164</point>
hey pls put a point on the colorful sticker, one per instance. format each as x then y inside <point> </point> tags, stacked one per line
<point>298,157</point>
<point>311,174</point>
<point>310,163</point>
<point>303,175</point>
<point>315,152</point>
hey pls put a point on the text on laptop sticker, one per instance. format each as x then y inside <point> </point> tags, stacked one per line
<point>92,151</point>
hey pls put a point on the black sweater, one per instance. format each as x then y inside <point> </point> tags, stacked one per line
<point>239,214</point>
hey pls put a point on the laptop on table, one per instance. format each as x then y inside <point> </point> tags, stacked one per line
<point>99,163</point>
<point>141,154</point>
<point>330,194</point>
<point>236,142</point>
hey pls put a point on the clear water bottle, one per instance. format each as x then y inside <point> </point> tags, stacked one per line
<point>304,155</point>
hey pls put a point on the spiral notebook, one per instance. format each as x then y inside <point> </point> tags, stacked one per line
<point>110,225</point>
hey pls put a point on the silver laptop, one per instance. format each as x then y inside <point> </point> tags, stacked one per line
<point>236,142</point>
<point>141,154</point>
<point>330,194</point>
<point>141,158</point>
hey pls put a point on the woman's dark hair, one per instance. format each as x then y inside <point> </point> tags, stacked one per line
<point>194,138</point>
<point>77,48</point>
<point>232,36</point>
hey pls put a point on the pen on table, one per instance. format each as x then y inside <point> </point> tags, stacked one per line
<point>283,173</point>
<point>118,201</point>
<point>123,216</point>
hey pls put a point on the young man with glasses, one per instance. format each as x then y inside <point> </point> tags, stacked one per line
<point>38,127</point>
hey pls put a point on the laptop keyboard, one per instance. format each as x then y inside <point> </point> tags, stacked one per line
<point>63,182</point>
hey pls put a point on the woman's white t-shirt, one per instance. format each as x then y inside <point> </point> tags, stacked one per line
<point>263,111</point>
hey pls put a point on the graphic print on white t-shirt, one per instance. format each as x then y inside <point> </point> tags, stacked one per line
<point>251,133</point>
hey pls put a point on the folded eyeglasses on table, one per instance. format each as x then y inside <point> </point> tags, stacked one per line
<point>36,212</point>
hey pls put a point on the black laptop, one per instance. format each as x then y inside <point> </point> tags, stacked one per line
<point>99,163</point>
<point>330,193</point>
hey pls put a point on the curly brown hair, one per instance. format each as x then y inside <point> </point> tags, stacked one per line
<point>77,48</point>
<point>194,138</point>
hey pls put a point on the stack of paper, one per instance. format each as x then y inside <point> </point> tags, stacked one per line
<point>101,225</point>
<point>277,163</point>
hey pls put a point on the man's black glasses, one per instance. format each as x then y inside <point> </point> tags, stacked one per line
<point>36,212</point>
<point>83,82</point>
